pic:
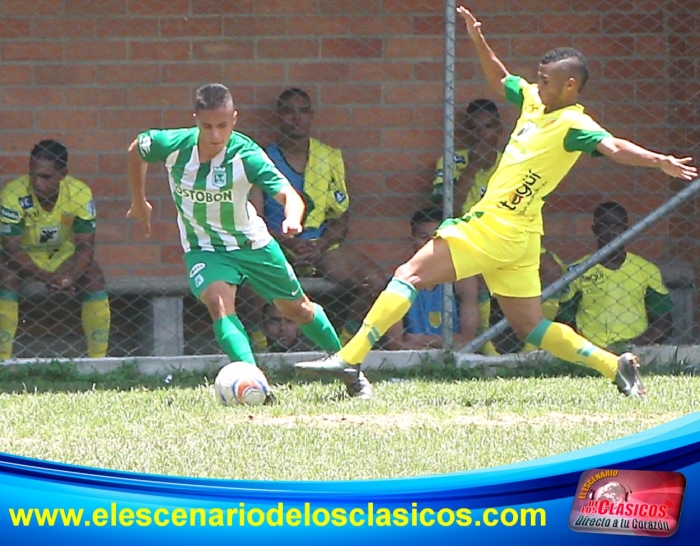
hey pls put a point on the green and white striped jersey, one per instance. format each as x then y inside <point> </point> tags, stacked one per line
<point>213,211</point>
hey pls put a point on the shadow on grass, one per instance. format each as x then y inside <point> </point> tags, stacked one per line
<point>64,377</point>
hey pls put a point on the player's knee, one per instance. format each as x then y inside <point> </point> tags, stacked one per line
<point>404,272</point>
<point>300,311</point>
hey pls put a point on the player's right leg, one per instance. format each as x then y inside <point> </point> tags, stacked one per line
<point>430,265</point>
<point>462,248</point>
<point>213,279</point>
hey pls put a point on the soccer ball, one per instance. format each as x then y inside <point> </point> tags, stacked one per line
<point>241,383</point>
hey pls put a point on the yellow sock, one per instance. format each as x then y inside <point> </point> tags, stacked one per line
<point>561,340</point>
<point>391,305</point>
<point>96,317</point>
<point>489,349</point>
<point>258,341</point>
<point>9,316</point>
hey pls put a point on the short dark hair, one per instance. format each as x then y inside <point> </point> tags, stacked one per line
<point>423,216</point>
<point>483,105</point>
<point>51,150</point>
<point>290,93</point>
<point>212,96</point>
<point>610,208</point>
<point>576,62</point>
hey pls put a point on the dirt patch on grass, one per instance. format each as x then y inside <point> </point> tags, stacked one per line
<point>411,420</point>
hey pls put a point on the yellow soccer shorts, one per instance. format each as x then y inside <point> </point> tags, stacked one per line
<point>508,258</point>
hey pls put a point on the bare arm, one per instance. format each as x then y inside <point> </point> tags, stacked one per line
<point>494,70</point>
<point>628,153</point>
<point>136,169</point>
<point>294,208</point>
<point>19,260</point>
<point>78,263</point>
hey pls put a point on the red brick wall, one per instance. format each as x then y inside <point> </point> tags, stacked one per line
<point>93,73</point>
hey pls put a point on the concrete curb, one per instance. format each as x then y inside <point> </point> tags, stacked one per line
<point>387,360</point>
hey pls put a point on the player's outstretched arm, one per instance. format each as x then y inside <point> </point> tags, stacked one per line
<point>494,70</point>
<point>136,169</point>
<point>628,153</point>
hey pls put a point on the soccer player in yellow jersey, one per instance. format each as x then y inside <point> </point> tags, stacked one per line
<point>622,300</point>
<point>47,230</point>
<point>500,236</point>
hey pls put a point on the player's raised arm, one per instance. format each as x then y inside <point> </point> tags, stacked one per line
<point>494,70</point>
<point>136,169</point>
<point>628,153</point>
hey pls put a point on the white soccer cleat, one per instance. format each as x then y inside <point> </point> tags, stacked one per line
<point>627,379</point>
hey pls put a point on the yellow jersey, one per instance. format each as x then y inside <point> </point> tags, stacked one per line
<point>542,149</point>
<point>322,186</point>
<point>46,231</point>
<point>612,305</point>
<point>478,185</point>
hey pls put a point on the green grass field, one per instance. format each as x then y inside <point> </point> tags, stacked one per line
<point>432,420</point>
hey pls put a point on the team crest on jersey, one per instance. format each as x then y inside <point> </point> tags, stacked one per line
<point>435,318</point>
<point>26,202</point>
<point>48,235</point>
<point>339,196</point>
<point>219,177</point>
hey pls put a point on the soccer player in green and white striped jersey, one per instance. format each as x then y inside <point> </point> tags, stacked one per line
<point>211,169</point>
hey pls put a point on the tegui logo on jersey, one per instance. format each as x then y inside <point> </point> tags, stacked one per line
<point>524,191</point>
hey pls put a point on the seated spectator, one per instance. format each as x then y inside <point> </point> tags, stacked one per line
<point>422,325</point>
<point>47,231</point>
<point>622,300</point>
<point>317,172</point>
<point>282,334</point>
<point>477,160</point>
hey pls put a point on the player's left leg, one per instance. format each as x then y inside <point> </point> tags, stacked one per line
<point>525,316</point>
<point>9,307</point>
<point>95,312</point>
<point>272,277</point>
<point>518,290</point>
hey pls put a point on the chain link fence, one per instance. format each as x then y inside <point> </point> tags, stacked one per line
<point>368,107</point>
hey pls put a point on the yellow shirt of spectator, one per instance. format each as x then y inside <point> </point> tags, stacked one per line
<point>322,185</point>
<point>47,235</point>
<point>479,184</point>
<point>541,150</point>
<point>612,305</point>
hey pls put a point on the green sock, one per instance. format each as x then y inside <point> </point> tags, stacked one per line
<point>233,340</point>
<point>321,331</point>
